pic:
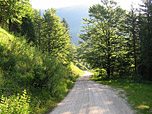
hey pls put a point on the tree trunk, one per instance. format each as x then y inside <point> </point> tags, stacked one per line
<point>108,67</point>
<point>10,25</point>
<point>134,45</point>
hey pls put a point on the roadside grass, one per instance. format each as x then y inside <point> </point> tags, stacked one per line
<point>139,95</point>
<point>76,70</point>
<point>51,103</point>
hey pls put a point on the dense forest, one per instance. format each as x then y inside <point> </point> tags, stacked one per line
<point>36,63</point>
<point>118,43</point>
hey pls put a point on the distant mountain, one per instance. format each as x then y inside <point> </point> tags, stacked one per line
<point>73,16</point>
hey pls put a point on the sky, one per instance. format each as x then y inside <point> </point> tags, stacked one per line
<point>45,4</point>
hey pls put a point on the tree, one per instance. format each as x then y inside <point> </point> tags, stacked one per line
<point>27,28</point>
<point>38,22</point>
<point>65,24</point>
<point>56,38</point>
<point>13,11</point>
<point>103,39</point>
<point>145,34</point>
<point>3,10</point>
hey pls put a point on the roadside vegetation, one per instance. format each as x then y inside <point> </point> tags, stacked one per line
<point>139,95</point>
<point>31,81</point>
<point>36,63</point>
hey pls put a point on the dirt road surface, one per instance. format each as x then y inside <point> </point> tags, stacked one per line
<point>89,97</point>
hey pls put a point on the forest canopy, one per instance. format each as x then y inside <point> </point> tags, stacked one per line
<point>118,42</point>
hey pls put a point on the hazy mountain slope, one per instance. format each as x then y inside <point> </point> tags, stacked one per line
<point>73,16</point>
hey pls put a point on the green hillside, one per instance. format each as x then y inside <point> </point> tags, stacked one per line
<point>42,79</point>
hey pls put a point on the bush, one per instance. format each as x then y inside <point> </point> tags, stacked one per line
<point>23,66</point>
<point>15,104</point>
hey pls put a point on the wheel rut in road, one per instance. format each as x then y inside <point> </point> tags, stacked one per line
<point>90,97</point>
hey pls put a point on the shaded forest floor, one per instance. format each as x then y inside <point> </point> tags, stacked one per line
<point>139,95</point>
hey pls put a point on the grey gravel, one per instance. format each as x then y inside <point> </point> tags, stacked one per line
<point>89,97</point>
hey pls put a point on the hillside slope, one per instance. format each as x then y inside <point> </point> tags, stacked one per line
<point>25,68</point>
<point>74,16</point>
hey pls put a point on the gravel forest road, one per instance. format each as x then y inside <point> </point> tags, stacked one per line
<point>89,97</point>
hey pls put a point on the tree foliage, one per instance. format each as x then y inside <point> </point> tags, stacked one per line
<point>118,41</point>
<point>39,59</point>
<point>13,11</point>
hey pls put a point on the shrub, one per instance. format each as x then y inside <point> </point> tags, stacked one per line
<point>15,104</point>
<point>23,66</point>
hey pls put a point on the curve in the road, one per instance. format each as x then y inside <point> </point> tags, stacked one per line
<point>89,97</point>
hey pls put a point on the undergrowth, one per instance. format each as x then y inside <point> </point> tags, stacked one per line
<point>24,67</point>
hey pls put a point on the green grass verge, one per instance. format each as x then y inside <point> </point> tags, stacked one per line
<point>139,95</point>
<point>76,70</point>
